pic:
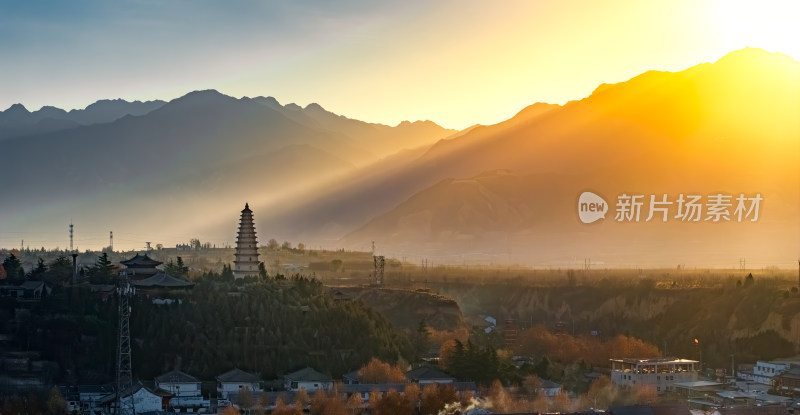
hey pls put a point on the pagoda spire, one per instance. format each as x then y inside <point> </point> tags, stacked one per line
<point>246,256</point>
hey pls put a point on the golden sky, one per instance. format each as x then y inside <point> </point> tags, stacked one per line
<point>454,62</point>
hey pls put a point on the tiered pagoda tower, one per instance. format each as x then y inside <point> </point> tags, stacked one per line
<point>246,256</point>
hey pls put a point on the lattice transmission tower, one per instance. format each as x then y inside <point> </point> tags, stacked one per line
<point>125,405</point>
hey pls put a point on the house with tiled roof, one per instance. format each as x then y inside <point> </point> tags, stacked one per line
<point>179,383</point>
<point>424,375</point>
<point>308,379</point>
<point>236,380</point>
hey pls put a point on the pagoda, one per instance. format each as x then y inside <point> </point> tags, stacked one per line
<point>140,267</point>
<point>246,256</point>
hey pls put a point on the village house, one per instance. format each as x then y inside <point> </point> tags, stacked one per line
<point>90,397</point>
<point>27,291</point>
<point>308,379</point>
<point>424,375</point>
<point>660,373</point>
<point>185,390</point>
<point>179,383</point>
<point>236,380</point>
<point>765,372</point>
<point>144,399</point>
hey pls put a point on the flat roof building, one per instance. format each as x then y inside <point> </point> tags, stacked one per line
<point>660,373</point>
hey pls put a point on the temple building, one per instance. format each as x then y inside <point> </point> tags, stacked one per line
<point>140,267</point>
<point>143,274</point>
<point>246,257</point>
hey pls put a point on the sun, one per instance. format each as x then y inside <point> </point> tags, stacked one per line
<point>769,25</point>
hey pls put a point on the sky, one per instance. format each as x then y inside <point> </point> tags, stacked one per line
<point>457,63</point>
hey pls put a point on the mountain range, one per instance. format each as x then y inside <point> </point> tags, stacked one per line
<point>503,192</point>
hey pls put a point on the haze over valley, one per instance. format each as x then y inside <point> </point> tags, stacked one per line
<point>502,193</point>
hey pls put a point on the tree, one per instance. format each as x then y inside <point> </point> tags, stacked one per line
<point>59,271</point>
<point>393,403</point>
<point>301,247</point>
<point>532,383</point>
<point>301,398</point>
<point>55,402</point>
<point>336,265</point>
<point>245,400</point>
<point>435,397</point>
<point>102,272</point>
<point>501,401</point>
<point>561,402</point>
<point>602,392</point>
<point>286,246</point>
<point>262,271</point>
<point>37,274</point>
<point>13,268</point>
<point>230,410</point>
<point>227,273</point>
<point>323,404</point>
<point>421,339</point>
<point>282,409</point>
<point>412,393</point>
<point>749,280</point>
<point>177,269</point>
<point>377,371</point>
<point>355,403</point>
<point>272,245</point>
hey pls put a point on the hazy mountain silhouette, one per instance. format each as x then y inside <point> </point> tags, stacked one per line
<point>202,151</point>
<point>730,126</point>
<point>17,121</point>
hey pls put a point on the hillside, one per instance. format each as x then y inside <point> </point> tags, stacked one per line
<point>205,150</point>
<point>406,309</point>
<point>727,314</point>
<point>270,327</point>
<point>728,126</point>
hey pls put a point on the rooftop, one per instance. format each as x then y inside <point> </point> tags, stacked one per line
<point>653,361</point>
<point>427,372</point>
<point>176,376</point>
<point>698,384</point>
<point>141,261</point>
<point>308,375</point>
<point>162,280</point>
<point>237,375</point>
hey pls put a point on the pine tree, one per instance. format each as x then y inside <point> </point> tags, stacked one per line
<point>102,272</point>
<point>13,268</point>
<point>37,274</point>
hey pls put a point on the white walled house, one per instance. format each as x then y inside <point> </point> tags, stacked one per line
<point>660,373</point>
<point>144,399</point>
<point>236,380</point>
<point>308,379</point>
<point>179,383</point>
<point>764,372</point>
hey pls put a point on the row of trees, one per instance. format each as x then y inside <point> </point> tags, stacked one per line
<point>56,272</point>
<point>273,245</point>
<point>565,348</point>
<point>435,399</point>
<point>430,400</point>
